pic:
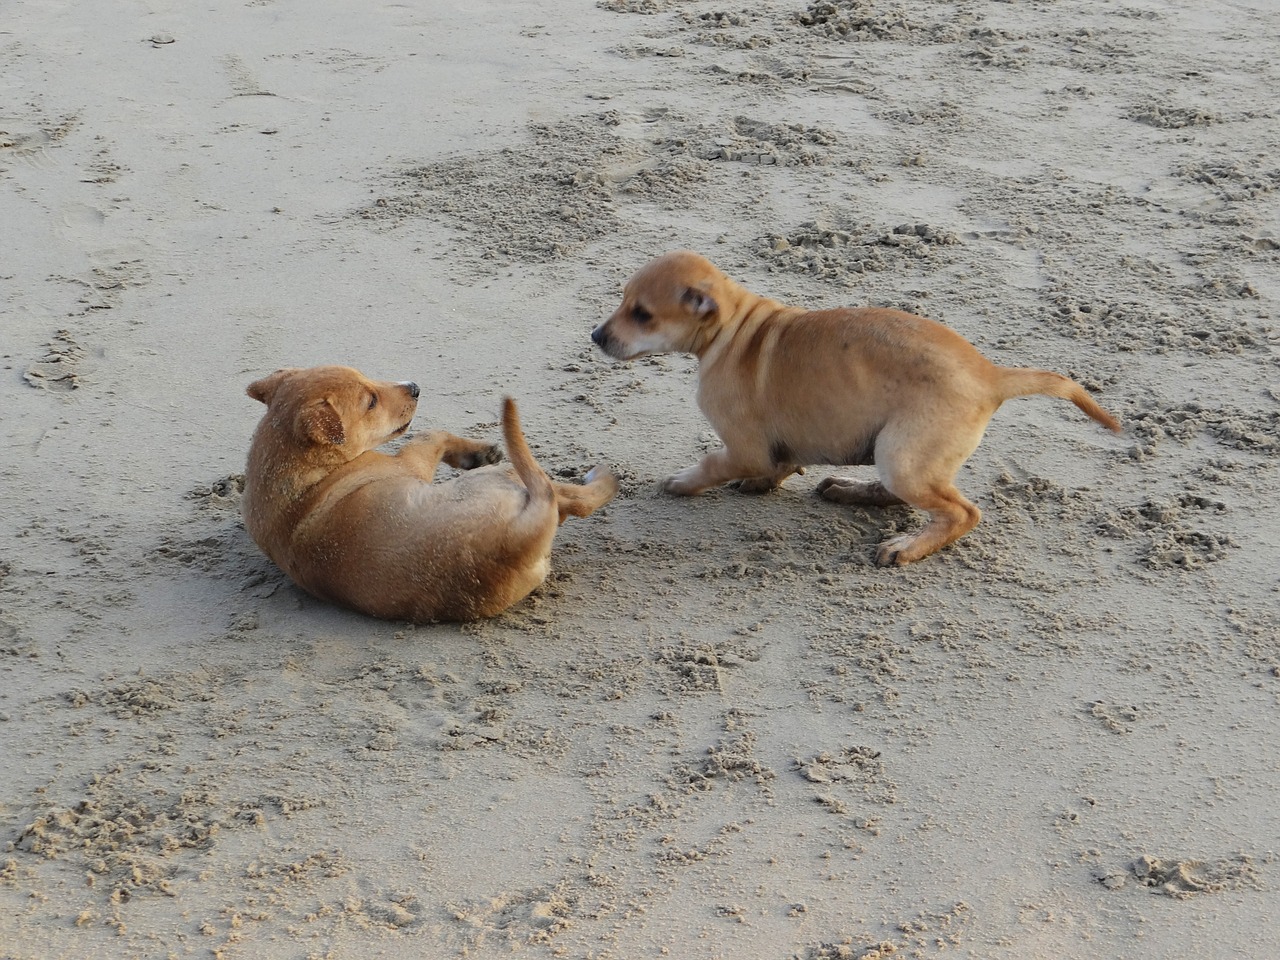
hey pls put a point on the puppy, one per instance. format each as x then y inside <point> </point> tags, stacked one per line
<point>785,387</point>
<point>370,530</point>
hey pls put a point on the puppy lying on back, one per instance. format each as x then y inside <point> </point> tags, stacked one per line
<point>785,387</point>
<point>370,530</point>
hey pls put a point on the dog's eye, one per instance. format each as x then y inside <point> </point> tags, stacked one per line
<point>640,315</point>
<point>373,401</point>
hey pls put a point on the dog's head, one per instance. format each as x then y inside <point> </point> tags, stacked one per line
<point>668,306</point>
<point>336,407</point>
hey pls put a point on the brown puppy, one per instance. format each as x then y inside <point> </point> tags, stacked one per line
<point>785,387</point>
<point>370,530</point>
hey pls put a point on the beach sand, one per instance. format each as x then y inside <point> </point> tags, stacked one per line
<point>718,730</point>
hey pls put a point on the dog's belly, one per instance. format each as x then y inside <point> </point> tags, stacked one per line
<point>858,453</point>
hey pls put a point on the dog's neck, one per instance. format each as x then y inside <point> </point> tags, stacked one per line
<point>287,474</point>
<point>738,309</point>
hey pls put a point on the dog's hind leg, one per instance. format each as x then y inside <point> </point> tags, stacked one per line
<point>868,493</point>
<point>951,516</point>
<point>584,499</point>
<point>919,468</point>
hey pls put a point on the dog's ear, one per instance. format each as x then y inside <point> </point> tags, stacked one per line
<point>263,390</point>
<point>320,423</point>
<point>699,302</point>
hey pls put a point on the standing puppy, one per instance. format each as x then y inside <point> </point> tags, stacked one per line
<point>370,530</point>
<point>785,387</point>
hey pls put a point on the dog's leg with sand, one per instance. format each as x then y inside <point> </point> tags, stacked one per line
<point>426,452</point>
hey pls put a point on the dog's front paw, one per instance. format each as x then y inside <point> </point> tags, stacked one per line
<point>482,457</point>
<point>686,483</point>
<point>755,485</point>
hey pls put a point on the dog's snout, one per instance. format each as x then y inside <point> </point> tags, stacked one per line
<point>412,387</point>
<point>598,336</point>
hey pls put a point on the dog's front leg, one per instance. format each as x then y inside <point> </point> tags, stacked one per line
<point>425,452</point>
<point>769,482</point>
<point>711,471</point>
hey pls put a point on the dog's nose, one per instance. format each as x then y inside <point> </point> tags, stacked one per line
<point>411,387</point>
<point>597,336</point>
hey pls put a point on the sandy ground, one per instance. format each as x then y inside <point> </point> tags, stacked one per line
<point>718,730</point>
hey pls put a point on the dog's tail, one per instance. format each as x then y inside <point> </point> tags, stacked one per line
<point>1027,381</point>
<point>531,474</point>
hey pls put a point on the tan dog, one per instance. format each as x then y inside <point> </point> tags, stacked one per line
<point>370,530</point>
<point>785,387</point>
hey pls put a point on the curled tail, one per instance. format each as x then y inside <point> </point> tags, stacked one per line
<point>1026,381</point>
<point>532,476</point>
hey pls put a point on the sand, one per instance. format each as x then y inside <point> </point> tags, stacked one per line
<point>718,730</point>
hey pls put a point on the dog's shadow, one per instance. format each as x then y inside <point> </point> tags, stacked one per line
<point>791,526</point>
<point>215,545</point>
